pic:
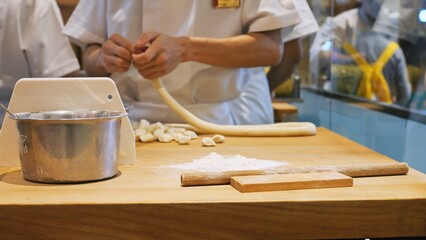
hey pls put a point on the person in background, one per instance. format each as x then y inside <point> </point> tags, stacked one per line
<point>32,44</point>
<point>293,51</point>
<point>206,52</point>
<point>363,62</point>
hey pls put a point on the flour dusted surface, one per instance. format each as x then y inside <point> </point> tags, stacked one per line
<point>217,162</point>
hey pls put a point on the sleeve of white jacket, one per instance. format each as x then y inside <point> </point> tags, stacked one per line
<point>267,15</point>
<point>91,15</point>
<point>307,25</point>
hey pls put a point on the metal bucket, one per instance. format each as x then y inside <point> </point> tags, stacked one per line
<point>68,146</point>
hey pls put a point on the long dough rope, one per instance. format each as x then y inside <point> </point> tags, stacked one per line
<point>201,126</point>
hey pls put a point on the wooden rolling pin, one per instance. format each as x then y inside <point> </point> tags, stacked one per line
<point>362,170</point>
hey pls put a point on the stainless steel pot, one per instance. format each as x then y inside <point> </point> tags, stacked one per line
<point>68,146</point>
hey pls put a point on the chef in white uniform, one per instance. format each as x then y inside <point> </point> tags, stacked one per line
<point>217,51</point>
<point>32,44</point>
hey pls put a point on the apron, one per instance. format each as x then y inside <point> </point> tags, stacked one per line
<point>373,84</point>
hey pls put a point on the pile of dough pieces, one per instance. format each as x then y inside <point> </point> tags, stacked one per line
<point>147,132</point>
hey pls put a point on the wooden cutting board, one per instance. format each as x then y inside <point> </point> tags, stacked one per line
<point>278,182</point>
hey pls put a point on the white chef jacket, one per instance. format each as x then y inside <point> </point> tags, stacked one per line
<point>306,26</point>
<point>204,90</point>
<point>31,44</point>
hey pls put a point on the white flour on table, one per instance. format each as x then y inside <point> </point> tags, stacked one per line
<point>216,162</point>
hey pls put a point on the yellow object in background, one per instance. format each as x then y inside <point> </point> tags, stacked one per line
<point>414,75</point>
<point>373,82</point>
<point>266,69</point>
<point>285,88</point>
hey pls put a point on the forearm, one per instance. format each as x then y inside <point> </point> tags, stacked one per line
<point>92,61</point>
<point>291,57</point>
<point>249,50</point>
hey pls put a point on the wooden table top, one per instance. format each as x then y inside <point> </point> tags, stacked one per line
<point>146,201</point>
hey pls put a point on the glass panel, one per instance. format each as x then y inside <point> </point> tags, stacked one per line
<point>371,49</point>
<point>368,63</point>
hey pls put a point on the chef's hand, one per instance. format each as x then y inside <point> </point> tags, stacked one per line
<point>117,54</point>
<point>161,57</point>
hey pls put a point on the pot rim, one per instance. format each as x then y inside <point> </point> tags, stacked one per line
<point>67,115</point>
